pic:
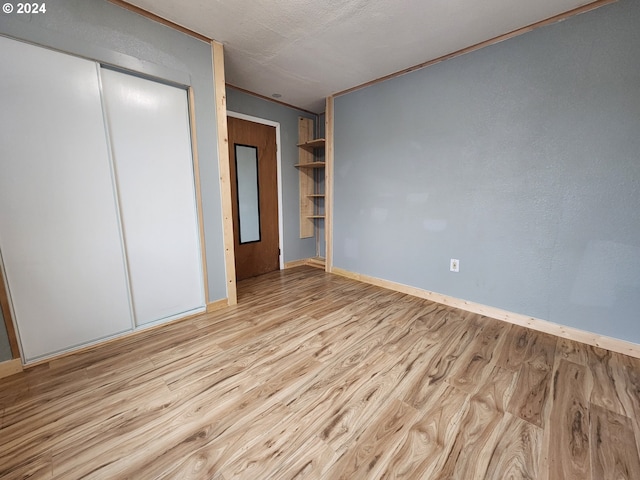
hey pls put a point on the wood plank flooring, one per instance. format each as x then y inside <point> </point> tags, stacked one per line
<point>314,376</point>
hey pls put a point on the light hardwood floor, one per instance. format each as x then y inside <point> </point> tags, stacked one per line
<point>317,376</point>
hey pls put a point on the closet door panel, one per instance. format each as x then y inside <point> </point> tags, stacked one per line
<point>151,145</point>
<point>59,231</point>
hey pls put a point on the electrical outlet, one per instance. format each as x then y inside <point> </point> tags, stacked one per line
<point>454,265</point>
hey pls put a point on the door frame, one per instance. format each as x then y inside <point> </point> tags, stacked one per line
<point>270,123</point>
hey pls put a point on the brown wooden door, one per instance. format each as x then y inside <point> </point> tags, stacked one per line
<point>252,157</point>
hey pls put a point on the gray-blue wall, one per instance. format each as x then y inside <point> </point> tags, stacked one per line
<point>294,247</point>
<point>101,31</point>
<point>521,159</point>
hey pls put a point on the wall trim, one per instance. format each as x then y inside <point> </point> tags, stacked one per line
<point>295,263</point>
<point>10,367</point>
<point>5,306</point>
<point>217,50</point>
<point>500,38</point>
<point>315,262</point>
<point>198,188</point>
<point>571,333</point>
<point>270,99</point>
<point>156,18</point>
<point>217,305</point>
<point>328,184</point>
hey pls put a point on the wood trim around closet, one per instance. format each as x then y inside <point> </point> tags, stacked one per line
<point>217,51</point>
<point>196,178</point>
<point>8,322</point>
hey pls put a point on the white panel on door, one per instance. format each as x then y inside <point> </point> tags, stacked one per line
<point>59,232</point>
<point>151,144</point>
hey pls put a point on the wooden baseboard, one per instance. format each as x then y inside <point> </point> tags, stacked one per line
<point>217,305</point>
<point>582,336</point>
<point>10,367</point>
<point>310,262</point>
<point>295,263</point>
<point>317,262</point>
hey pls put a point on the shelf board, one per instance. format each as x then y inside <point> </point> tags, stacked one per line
<point>316,195</point>
<point>315,216</point>
<point>315,143</point>
<point>310,165</point>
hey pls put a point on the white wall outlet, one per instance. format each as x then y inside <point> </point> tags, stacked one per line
<point>454,265</point>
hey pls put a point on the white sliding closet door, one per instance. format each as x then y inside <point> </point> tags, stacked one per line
<point>151,144</point>
<point>59,230</point>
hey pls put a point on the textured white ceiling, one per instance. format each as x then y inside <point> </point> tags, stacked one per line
<point>306,50</point>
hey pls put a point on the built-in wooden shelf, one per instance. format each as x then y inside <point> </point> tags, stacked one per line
<point>311,170</point>
<point>311,165</point>
<point>315,143</point>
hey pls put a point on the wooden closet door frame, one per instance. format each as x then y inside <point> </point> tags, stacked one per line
<point>270,123</point>
<point>8,317</point>
<point>198,191</point>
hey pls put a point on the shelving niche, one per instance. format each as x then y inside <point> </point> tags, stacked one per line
<point>312,176</point>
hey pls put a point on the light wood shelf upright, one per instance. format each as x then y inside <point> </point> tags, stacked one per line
<point>310,170</point>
